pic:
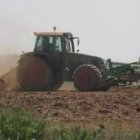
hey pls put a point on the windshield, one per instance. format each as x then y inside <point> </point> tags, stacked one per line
<point>47,43</point>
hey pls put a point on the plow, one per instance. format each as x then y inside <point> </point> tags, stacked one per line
<point>55,60</point>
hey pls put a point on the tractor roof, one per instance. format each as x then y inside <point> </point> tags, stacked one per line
<point>52,34</point>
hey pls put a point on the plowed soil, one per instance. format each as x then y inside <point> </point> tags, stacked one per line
<point>121,105</point>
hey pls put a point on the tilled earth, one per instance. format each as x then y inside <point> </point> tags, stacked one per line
<point>121,105</point>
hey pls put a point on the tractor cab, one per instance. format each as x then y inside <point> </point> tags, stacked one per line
<point>54,42</point>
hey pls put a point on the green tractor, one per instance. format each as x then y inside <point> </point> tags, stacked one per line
<point>55,60</point>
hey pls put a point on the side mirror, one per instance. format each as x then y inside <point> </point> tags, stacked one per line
<point>78,41</point>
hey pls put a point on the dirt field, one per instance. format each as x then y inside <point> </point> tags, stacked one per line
<point>122,106</point>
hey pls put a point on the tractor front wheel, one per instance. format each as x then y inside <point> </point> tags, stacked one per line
<point>87,78</point>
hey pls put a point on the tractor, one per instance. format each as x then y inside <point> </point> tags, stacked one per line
<point>55,60</point>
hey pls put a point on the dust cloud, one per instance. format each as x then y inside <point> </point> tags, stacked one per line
<point>8,64</point>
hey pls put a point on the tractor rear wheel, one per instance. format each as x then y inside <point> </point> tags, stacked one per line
<point>34,74</point>
<point>87,78</point>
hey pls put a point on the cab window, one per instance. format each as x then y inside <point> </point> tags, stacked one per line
<point>58,44</point>
<point>68,45</point>
<point>48,43</point>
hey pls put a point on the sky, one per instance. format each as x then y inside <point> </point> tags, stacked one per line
<point>107,28</point>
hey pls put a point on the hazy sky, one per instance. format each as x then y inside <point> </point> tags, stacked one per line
<point>107,28</point>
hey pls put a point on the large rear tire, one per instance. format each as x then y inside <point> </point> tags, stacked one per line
<point>87,78</point>
<point>34,74</point>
